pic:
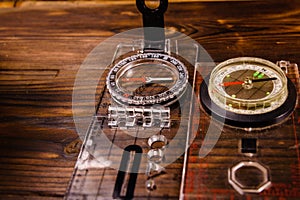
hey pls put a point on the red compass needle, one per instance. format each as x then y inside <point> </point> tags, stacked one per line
<point>225,84</point>
<point>135,79</point>
<point>232,83</point>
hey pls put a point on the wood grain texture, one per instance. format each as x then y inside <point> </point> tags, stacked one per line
<point>42,47</point>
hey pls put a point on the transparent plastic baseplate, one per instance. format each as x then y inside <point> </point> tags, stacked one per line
<point>105,169</point>
<point>261,164</point>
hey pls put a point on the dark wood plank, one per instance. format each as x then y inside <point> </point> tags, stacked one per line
<point>42,47</point>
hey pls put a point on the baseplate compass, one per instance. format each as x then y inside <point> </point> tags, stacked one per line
<point>255,154</point>
<point>134,145</point>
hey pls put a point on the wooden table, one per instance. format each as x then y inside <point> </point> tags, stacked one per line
<point>42,45</point>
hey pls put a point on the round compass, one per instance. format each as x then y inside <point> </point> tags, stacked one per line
<point>248,92</point>
<point>147,79</point>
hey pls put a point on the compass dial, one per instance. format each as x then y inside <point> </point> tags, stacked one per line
<point>147,79</point>
<point>248,86</point>
<point>248,92</point>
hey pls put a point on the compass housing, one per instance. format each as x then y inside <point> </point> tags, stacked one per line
<point>147,78</point>
<point>240,106</point>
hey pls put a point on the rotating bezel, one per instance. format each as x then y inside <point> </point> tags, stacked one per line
<point>134,60</point>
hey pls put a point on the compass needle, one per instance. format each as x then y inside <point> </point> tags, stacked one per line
<point>225,84</point>
<point>158,79</point>
<point>135,79</point>
<point>264,79</point>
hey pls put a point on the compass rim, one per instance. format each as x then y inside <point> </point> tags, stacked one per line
<point>259,121</point>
